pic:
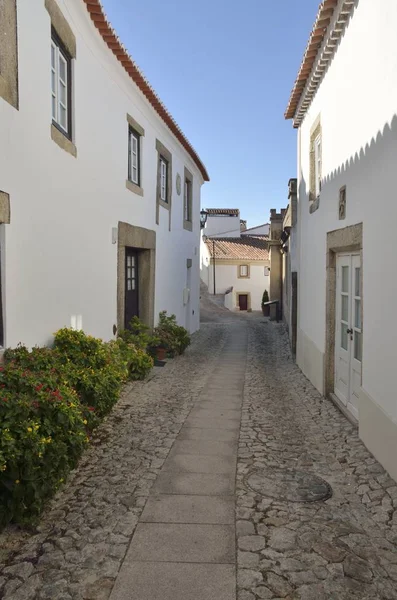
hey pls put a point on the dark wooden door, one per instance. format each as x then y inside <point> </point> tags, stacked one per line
<point>243,301</point>
<point>131,286</point>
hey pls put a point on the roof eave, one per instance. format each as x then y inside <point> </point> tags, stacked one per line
<point>111,39</point>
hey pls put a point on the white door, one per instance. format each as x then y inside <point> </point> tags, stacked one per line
<point>348,333</point>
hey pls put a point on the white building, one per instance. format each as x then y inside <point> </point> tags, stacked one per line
<point>344,106</point>
<point>100,189</point>
<point>238,268</point>
<point>223,222</point>
<point>261,230</point>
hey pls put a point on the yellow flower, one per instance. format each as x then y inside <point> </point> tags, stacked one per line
<point>40,454</point>
<point>61,480</point>
<point>37,427</point>
<point>85,421</point>
<point>17,481</point>
<point>3,467</point>
<point>30,429</point>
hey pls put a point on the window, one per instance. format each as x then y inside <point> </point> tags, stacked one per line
<point>244,272</point>
<point>134,156</point>
<point>61,86</point>
<point>163,179</point>
<point>188,201</point>
<point>317,165</point>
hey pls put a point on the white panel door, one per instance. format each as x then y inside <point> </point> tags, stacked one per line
<point>348,332</point>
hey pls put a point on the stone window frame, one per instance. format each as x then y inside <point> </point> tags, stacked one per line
<point>66,36</point>
<point>163,152</point>
<point>188,177</point>
<point>136,128</point>
<point>9,52</point>
<point>248,276</point>
<point>315,134</point>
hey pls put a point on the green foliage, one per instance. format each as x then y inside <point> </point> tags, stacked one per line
<point>42,434</point>
<point>139,334</point>
<point>265,297</point>
<point>174,338</point>
<point>50,400</point>
<point>139,363</point>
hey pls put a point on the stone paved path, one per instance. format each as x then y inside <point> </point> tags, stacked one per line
<point>155,510</point>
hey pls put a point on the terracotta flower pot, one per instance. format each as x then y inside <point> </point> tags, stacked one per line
<point>161,353</point>
<point>266,311</point>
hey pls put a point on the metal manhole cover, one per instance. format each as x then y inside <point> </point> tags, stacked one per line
<point>290,485</point>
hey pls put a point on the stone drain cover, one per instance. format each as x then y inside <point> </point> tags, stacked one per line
<point>290,485</point>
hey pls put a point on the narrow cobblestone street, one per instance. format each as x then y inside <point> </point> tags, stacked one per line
<point>155,510</point>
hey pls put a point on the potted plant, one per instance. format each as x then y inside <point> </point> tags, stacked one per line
<point>265,308</point>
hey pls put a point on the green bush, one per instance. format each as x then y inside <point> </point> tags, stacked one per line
<point>139,334</point>
<point>42,435</point>
<point>95,369</point>
<point>265,297</point>
<point>50,400</point>
<point>139,363</point>
<point>174,338</point>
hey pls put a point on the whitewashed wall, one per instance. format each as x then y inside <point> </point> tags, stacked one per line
<point>357,104</point>
<point>227,276</point>
<point>260,230</point>
<point>221,226</point>
<point>58,252</point>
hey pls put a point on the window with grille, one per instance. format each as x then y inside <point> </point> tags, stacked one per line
<point>187,202</point>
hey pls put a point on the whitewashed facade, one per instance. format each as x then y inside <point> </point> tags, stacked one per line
<point>346,115</point>
<point>74,207</point>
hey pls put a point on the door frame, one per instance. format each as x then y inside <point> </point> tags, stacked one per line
<point>347,240</point>
<point>248,294</point>
<point>144,241</point>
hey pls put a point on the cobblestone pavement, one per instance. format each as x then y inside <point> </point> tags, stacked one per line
<point>339,548</point>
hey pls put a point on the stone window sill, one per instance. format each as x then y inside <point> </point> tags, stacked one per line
<point>164,204</point>
<point>188,225</point>
<point>62,141</point>
<point>133,187</point>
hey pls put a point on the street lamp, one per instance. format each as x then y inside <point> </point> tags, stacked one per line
<point>203,218</point>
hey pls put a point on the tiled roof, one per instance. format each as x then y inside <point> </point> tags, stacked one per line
<point>322,36</point>
<point>245,248</point>
<point>111,39</point>
<point>223,211</point>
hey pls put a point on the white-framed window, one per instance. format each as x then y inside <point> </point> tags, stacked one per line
<point>187,201</point>
<point>317,165</point>
<point>61,82</point>
<point>163,179</point>
<point>134,156</point>
<point>244,271</point>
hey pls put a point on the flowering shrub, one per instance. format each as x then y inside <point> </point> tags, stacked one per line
<point>41,439</point>
<point>50,400</point>
<point>174,338</point>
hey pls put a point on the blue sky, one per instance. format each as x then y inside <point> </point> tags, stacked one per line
<point>225,69</point>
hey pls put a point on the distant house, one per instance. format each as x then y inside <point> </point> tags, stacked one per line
<point>261,230</point>
<point>99,188</point>
<point>223,222</point>
<point>237,267</point>
<point>343,104</point>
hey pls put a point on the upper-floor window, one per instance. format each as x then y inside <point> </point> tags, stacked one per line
<point>317,165</point>
<point>163,179</point>
<point>134,156</point>
<point>244,271</point>
<point>61,86</point>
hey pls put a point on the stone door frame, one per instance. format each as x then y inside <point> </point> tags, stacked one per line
<point>348,239</point>
<point>144,241</point>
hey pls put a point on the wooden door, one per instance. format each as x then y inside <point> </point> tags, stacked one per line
<point>243,301</point>
<point>348,333</point>
<point>131,286</point>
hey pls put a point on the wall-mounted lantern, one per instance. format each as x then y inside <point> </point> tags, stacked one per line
<point>203,218</point>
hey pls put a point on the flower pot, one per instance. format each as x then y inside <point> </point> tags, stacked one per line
<point>266,311</point>
<point>161,353</point>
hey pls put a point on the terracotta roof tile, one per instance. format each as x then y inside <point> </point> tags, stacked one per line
<point>223,211</point>
<point>245,248</point>
<point>111,39</point>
